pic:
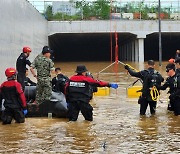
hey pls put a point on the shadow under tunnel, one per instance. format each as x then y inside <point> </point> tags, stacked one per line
<point>97,46</point>
<point>85,46</point>
<point>170,43</point>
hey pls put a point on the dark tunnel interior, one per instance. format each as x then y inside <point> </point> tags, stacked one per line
<point>170,43</point>
<point>97,46</point>
<point>85,47</point>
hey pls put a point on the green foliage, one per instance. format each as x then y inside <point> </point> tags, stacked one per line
<point>48,13</point>
<point>100,9</point>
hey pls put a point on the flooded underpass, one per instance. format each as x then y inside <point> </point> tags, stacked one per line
<point>116,128</point>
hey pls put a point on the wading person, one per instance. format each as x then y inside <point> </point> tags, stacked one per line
<point>14,99</point>
<point>78,94</point>
<point>177,54</point>
<point>21,63</point>
<point>58,82</point>
<point>177,64</point>
<point>150,78</point>
<point>44,67</point>
<point>173,83</point>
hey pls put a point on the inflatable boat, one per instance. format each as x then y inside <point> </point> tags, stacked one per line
<point>57,104</point>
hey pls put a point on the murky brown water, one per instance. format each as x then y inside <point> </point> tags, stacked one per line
<point>117,126</point>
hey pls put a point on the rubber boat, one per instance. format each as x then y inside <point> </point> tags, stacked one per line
<point>57,104</point>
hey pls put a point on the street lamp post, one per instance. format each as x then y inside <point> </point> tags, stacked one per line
<point>160,42</point>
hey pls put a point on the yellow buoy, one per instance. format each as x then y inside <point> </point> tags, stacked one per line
<point>132,91</point>
<point>102,91</point>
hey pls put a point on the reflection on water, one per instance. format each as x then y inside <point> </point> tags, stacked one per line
<point>117,126</point>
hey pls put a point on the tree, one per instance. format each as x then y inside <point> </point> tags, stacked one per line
<point>48,13</point>
<point>101,8</point>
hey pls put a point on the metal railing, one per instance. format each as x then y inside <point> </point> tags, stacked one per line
<point>120,9</point>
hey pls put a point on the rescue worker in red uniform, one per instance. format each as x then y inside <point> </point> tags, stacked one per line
<point>21,63</point>
<point>14,99</point>
<point>78,94</point>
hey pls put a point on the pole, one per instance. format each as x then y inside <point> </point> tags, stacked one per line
<point>160,42</point>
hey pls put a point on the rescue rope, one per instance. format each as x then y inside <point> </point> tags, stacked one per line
<point>154,93</point>
<point>128,66</point>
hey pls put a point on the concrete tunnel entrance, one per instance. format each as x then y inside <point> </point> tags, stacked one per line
<point>85,47</point>
<point>170,43</point>
<point>97,46</point>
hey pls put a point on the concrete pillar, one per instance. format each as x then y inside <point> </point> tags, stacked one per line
<point>136,48</point>
<point>132,50</point>
<point>141,37</point>
<point>141,49</point>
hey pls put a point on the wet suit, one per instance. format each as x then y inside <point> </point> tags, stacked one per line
<point>21,63</point>
<point>173,83</point>
<point>59,82</point>
<point>146,99</point>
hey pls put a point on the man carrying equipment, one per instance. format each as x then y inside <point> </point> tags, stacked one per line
<point>151,80</point>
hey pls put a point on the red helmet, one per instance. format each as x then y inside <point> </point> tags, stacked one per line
<point>10,72</point>
<point>26,49</point>
<point>171,60</point>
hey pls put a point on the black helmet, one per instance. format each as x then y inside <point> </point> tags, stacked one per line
<point>46,49</point>
<point>170,67</point>
<point>81,69</point>
<point>151,62</point>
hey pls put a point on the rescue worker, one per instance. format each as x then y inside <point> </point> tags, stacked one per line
<point>28,81</point>
<point>177,54</point>
<point>59,82</point>
<point>14,99</point>
<point>173,82</point>
<point>78,93</point>
<point>171,61</point>
<point>21,63</point>
<point>150,78</point>
<point>44,67</point>
<point>177,64</point>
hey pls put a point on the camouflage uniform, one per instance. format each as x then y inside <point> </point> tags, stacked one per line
<point>44,67</point>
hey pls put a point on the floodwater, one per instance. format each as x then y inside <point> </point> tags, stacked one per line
<point>117,126</point>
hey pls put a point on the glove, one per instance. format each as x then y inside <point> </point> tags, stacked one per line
<point>126,67</point>
<point>25,111</point>
<point>113,85</point>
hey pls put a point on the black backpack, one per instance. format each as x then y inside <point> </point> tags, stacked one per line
<point>151,79</point>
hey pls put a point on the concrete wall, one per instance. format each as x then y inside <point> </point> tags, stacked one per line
<point>140,28</point>
<point>21,25</point>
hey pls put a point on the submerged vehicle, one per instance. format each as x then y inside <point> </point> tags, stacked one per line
<point>57,104</point>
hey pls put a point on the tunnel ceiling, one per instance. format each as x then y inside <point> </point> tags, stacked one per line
<point>85,47</point>
<point>170,43</point>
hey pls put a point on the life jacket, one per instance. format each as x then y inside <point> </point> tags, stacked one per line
<point>11,97</point>
<point>79,90</point>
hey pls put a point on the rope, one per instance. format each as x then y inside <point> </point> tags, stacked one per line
<point>154,93</point>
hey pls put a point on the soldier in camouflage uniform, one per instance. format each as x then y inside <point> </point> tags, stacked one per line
<point>44,67</point>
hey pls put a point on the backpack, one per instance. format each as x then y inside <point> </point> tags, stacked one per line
<point>151,79</point>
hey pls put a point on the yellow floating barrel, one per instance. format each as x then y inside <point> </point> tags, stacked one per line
<point>102,91</point>
<point>132,91</point>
